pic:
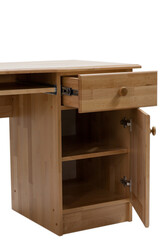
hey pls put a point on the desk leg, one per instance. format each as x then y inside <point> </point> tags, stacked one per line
<point>36,171</point>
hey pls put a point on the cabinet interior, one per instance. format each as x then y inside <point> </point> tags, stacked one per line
<point>95,155</point>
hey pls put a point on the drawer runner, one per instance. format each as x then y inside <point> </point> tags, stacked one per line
<point>68,91</point>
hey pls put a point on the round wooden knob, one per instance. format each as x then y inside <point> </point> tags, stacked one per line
<point>153,131</point>
<point>123,91</point>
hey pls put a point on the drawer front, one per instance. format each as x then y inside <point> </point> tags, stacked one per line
<point>111,91</point>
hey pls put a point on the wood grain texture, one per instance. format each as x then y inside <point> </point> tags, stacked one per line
<point>101,130</point>
<point>6,109</point>
<point>96,152</point>
<point>67,108</point>
<point>75,148</point>
<point>95,206</point>
<point>93,134</point>
<point>71,82</point>
<point>35,158</point>
<point>68,80</point>
<point>20,88</point>
<point>4,78</point>
<point>100,92</point>
<point>61,66</point>
<point>96,216</point>
<point>140,150</point>
<point>94,179</point>
<point>6,101</point>
<point>86,193</point>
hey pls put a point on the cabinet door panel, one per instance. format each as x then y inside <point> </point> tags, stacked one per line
<point>140,147</point>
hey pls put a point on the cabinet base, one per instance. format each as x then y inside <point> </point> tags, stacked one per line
<point>96,215</point>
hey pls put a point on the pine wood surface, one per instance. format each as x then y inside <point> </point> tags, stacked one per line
<point>74,149</point>
<point>60,66</point>
<point>140,162</point>
<point>20,88</point>
<point>35,152</point>
<point>100,215</point>
<point>101,92</point>
<point>66,166</point>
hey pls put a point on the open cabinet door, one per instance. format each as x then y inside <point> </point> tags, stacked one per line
<point>140,150</point>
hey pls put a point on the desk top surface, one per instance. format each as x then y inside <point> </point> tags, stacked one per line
<point>60,66</point>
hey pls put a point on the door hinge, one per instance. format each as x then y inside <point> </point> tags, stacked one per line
<point>126,182</point>
<point>69,91</point>
<point>126,123</point>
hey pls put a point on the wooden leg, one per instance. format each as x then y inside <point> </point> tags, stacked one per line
<point>36,171</point>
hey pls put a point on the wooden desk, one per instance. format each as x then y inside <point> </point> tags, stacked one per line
<point>79,142</point>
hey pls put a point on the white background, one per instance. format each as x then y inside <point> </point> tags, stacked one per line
<point>113,31</point>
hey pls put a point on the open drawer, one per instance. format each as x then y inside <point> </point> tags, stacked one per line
<point>110,91</point>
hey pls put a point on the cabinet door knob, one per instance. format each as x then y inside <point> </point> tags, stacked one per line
<point>153,131</point>
<point>123,91</point>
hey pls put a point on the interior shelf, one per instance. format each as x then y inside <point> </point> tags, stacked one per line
<point>85,194</point>
<point>17,88</point>
<point>96,206</point>
<point>74,149</point>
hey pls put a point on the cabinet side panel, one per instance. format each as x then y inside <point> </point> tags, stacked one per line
<point>35,135</point>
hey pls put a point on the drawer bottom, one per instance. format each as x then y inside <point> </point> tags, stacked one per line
<point>97,215</point>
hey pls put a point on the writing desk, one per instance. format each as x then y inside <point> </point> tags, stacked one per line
<point>79,142</point>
